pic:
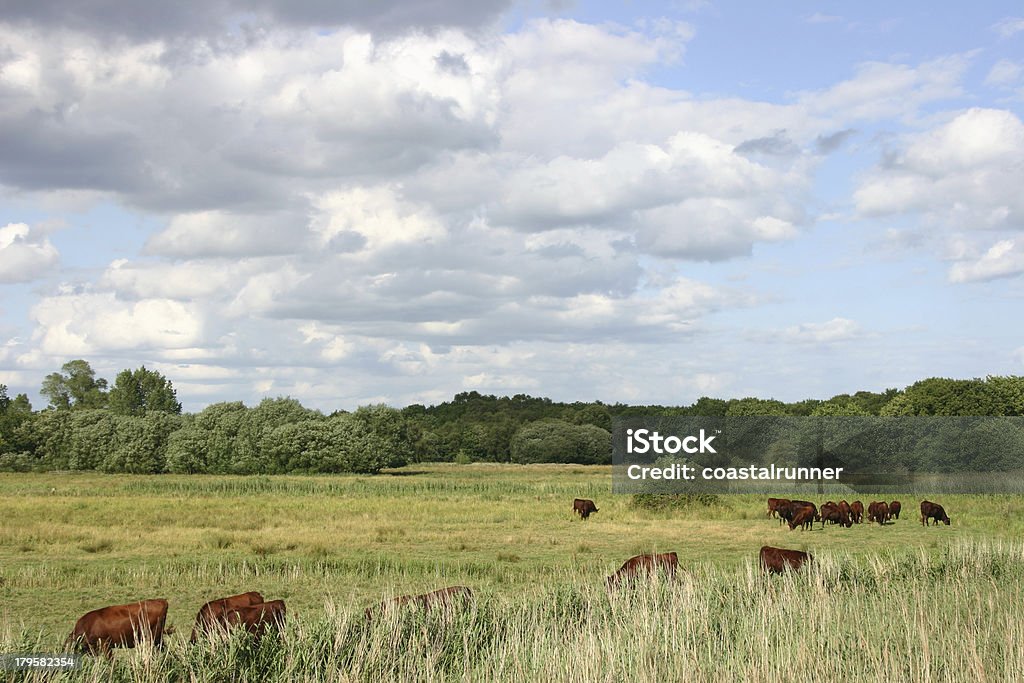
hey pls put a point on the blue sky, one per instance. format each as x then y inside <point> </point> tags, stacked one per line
<point>626,201</point>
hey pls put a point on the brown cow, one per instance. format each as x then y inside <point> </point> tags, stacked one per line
<point>857,511</point>
<point>894,509</point>
<point>213,612</point>
<point>807,503</point>
<point>776,504</point>
<point>643,564</point>
<point>803,518</point>
<point>775,560</point>
<point>882,514</point>
<point>878,511</point>
<point>800,513</point>
<point>583,507</point>
<point>930,510</point>
<point>834,514</point>
<point>843,505</point>
<point>257,619</point>
<point>119,626</point>
<point>444,598</point>
<point>789,511</point>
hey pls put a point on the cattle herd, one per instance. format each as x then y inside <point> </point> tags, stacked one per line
<point>803,514</point>
<point>126,625</point>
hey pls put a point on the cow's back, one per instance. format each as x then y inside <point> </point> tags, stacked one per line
<point>645,564</point>
<point>258,619</point>
<point>775,560</point>
<point>213,612</point>
<point>120,625</point>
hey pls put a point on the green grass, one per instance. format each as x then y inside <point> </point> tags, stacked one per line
<point>331,546</point>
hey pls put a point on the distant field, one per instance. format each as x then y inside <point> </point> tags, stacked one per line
<point>330,546</point>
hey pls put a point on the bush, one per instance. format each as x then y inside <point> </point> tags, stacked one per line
<point>561,442</point>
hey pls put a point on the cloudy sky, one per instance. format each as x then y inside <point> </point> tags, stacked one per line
<point>350,202</point>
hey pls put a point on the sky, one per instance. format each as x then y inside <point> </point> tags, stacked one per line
<point>638,202</point>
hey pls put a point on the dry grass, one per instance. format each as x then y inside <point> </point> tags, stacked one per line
<point>330,546</point>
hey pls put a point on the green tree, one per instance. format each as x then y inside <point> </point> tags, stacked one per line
<point>135,392</point>
<point>92,435</point>
<point>384,430</point>
<point>834,408</point>
<point>14,413</point>
<point>140,443</point>
<point>559,441</point>
<point>188,450</point>
<point>76,386</point>
<point>593,414</point>
<point>756,406</point>
<point>249,454</point>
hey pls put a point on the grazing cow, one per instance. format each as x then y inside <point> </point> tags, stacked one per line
<point>934,511</point>
<point>789,511</point>
<point>878,512</point>
<point>857,511</point>
<point>119,626</point>
<point>894,509</point>
<point>775,505</point>
<point>834,514</point>
<point>829,506</point>
<point>775,560</point>
<point>257,619</point>
<point>643,564</point>
<point>444,598</point>
<point>583,507</point>
<point>802,514</point>
<point>213,612</point>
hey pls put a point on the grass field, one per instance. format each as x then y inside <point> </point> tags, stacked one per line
<point>331,546</point>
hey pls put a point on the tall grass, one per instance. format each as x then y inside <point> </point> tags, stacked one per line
<point>904,615</point>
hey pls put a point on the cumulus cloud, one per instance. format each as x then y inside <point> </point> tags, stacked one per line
<point>25,255</point>
<point>423,211</point>
<point>74,324</point>
<point>1003,259</point>
<point>146,20</point>
<point>964,173</point>
<point>206,234</point>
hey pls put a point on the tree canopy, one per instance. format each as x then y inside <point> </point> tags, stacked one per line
<point>75,386</point>
<point>137,391</point>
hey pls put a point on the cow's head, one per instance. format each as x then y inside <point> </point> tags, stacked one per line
<point>946,521</point>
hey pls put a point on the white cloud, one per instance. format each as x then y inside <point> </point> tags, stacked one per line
<point>375,217</point>
<point>882,90</point>
<point>821,18</point>
<point>1008,26</point>
<point>73,324</point>
<point>831,331</point>
<point>1003,259</point>
<point>1004,72</point>
<point>184,281</point>
<point>204,234</point>
<point>424,212</point>
<point>25,255</point>
<point>965,173</point>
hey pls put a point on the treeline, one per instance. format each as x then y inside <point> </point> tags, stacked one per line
<point>136,425</point>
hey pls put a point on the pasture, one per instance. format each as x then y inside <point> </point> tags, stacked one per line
<point>332,546</point>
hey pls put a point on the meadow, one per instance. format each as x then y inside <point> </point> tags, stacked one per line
<point>902,601</point>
